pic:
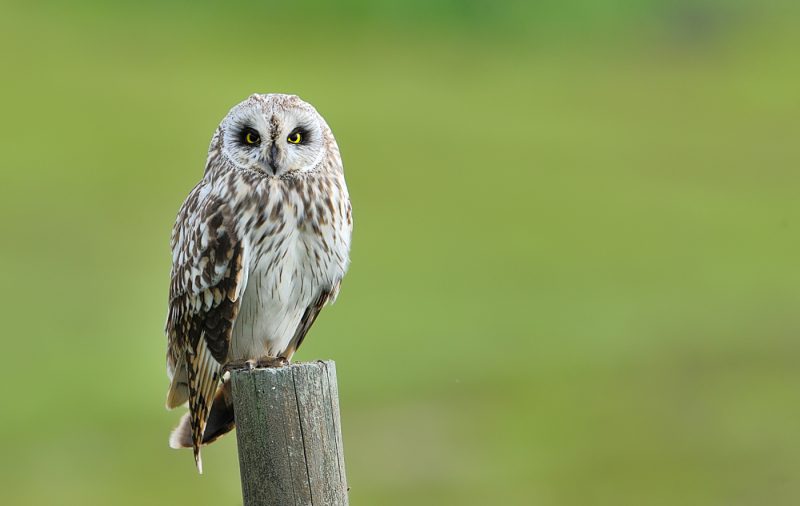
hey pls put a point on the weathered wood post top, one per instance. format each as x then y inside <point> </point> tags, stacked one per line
<point>289,435</point>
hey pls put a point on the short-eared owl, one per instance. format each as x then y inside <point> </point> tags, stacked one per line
<point>259,247</point>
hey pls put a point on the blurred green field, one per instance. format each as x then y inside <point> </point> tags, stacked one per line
<point>574,276</point>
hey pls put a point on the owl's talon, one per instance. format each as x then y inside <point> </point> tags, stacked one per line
<point>271,362</point>
<point>239,365</point>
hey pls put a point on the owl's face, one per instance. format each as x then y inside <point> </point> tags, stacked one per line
<point>274,135</point>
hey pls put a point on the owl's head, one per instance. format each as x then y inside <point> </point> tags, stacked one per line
<point>275,135</point>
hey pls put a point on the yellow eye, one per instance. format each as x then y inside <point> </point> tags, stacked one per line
<point>251,136</point>
<point>295,138</point>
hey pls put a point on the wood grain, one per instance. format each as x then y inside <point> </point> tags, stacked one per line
<point>289,435</point>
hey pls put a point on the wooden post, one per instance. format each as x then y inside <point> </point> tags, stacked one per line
<point>289,435</point>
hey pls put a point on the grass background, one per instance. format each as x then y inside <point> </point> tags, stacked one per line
<point>574,274</point>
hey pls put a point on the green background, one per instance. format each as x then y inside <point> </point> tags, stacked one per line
<point>574,270</point>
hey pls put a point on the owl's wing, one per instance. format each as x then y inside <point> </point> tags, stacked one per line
<point>308,319</point>
<point>207,281</point>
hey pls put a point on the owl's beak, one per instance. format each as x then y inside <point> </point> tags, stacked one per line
<point>272,158</point>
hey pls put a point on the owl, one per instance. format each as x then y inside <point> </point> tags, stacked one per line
<point>259,247</point>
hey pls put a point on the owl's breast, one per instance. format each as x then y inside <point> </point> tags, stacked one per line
<point>297,250</point>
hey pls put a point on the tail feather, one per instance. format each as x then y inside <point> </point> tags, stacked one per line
<point>181,436</point>
<point>178,392</point>
<point>203,372</point>
<point>220,421</point>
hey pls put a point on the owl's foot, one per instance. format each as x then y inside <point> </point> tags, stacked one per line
<point>249,365</point>
<point>268,361</point>
<point>239,365</point>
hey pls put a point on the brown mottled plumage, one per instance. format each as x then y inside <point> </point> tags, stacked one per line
<point>259,247</point>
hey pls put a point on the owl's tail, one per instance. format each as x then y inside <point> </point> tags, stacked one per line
<point>220,420</point>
